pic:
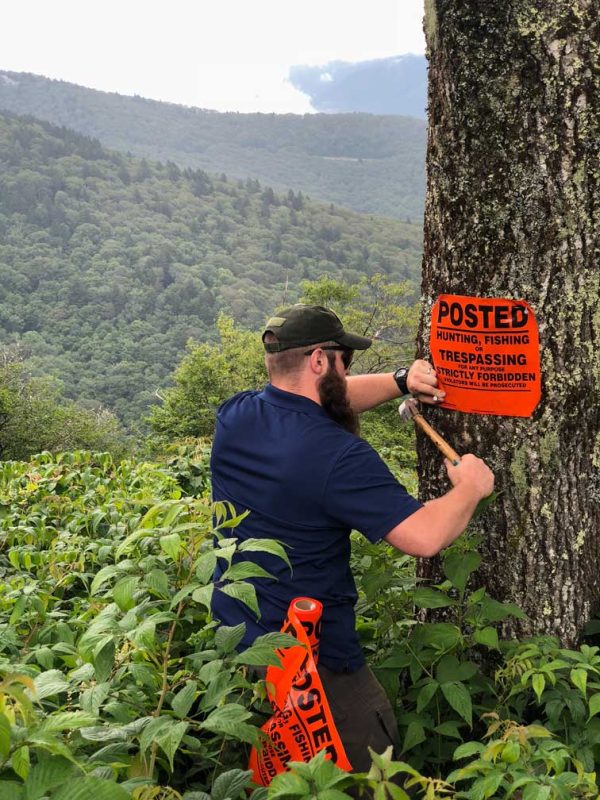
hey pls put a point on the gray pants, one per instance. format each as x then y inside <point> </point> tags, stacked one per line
<point>362,714</point>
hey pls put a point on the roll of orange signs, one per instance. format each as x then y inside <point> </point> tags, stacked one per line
<point>302,724</point>
<point>486,354</point>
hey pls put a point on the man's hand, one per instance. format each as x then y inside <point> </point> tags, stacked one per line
<point>439,522</point>
<point>472,473</point>
<point>422,383</point>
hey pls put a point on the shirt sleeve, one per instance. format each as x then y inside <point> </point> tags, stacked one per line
<point>362,493</point>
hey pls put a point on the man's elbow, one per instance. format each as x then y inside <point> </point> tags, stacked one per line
<point>430,549</point>
<point>414,543</point>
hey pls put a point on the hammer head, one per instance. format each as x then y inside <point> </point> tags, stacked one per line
<point>408,409</point>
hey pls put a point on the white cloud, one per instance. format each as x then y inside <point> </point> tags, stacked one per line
<point>211,53</point>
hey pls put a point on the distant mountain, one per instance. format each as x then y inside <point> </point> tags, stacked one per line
<point>109,264</point>
<point>396,85</point>
<point>373,164</point>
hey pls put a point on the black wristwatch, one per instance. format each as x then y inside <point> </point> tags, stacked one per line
<point>400,376</point>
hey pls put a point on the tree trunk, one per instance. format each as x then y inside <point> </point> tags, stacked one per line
<point>512,211</point>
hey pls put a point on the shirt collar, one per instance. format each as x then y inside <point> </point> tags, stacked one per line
<point>291,401</point>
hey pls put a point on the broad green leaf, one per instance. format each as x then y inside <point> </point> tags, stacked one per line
<point>337,794</point>
<point>440,635</point>
<point>105,574</point>
<point>104,733</point>
<point>484,504</point>
<point>244,570</point>
<point>494,611</point>
<point>91,788</point>
<point>203,595</point>
<point>425,597</point>
<point>425,695</point>
<point>231,784</point>
<point>45,657</point>
<point>169,737</point>
<point>271,546</point>
<point>65,721</point>
<point>579,680</point>
<point>277,640</point>
<point>244,592</point>
<point>4,736</point>
<point>533,791</point>
<point>231,720</point>
<point>539,683</point>
<point>9,790</point>
<point>205,566</point>
<point>487,636</point>
<point>152,730</point>
<point>594,705</point>
<point>468,749</point>
<point>449,729</point>
<point>258,655</point>
<point>234,521</point>
<point>538,732</point>
<point>158,581</point>
<point>487,786</point>
<point>288,784</point>
<point>47,774</point>
<point>459,566</point>
<point>18,609</point>
<point>20,762</point>
<point>171,545</point>
<point>123,592</point>
<point>196,796</point>
<point>228,637</point>
<point>184,699</point>
<point>415,734</point>
<point>92,699</point>
<point>183,593</point>
<point>459,699</point>
<point>50,683</point>
<point>104,660</point>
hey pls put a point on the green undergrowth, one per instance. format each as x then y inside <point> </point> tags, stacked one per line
<point>115,682</point>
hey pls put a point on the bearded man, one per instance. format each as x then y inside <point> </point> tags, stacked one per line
<point>291,455</point>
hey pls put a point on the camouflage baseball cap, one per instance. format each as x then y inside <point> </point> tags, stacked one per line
<point>301,325</point>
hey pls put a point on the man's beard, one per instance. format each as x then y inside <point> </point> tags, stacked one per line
<point>334,400</point>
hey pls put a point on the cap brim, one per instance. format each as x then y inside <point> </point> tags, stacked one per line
<point>354,342</point>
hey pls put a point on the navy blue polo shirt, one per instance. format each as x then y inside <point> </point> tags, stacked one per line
<point>308,483</point>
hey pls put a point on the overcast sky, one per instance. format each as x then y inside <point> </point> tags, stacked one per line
<point>229,55</point>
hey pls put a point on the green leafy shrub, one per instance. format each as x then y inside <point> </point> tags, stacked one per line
<point>112,669</point>
<point>521,761</point>
<point>115,682</point>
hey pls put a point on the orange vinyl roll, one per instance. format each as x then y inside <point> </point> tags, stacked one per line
<point>309,613</point>
<point>302,723</point>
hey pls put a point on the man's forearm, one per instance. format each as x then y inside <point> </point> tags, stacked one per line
<point>437,524</point>
<point>370,391</point>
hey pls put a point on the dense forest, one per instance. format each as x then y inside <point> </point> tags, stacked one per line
<point>373,164</point>
<point>109,265</point>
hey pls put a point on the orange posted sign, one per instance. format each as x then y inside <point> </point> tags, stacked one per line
<point>486,354</point>
<point>302,724</point>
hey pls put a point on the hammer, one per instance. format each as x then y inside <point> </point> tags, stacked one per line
<point>409,409</point>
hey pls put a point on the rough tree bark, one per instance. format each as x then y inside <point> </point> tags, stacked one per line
<point>512,211</point>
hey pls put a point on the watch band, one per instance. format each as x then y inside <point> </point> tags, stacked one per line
<point>401,376</point>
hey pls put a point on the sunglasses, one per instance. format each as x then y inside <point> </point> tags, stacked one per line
<point>347,355</point>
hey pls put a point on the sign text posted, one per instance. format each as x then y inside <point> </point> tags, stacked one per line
<point>486,354</point>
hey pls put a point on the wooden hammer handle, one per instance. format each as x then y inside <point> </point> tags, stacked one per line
<point>441,444</point>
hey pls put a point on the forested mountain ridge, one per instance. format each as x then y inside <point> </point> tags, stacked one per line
<point>372,164</point>
<point>109,264</point>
